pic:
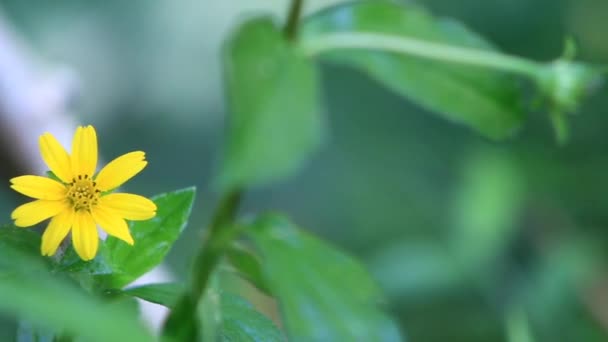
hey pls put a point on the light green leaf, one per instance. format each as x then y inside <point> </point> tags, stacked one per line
<point>274,121</point>
<point>324,294</point>
<point>486,208</point>
<point>19,252</point>
<point>30,293</point>
<point>242,322</point>
<point>153,238</point>
<point>248,266</point>
<point>166,294</point>
<point>485,100</point>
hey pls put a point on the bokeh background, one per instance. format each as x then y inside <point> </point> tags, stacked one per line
<point>471,240</point>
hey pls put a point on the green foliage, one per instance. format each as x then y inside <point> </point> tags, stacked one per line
<point>154,238</point>
<point>242,322</point>
<point>483,99</point>
<point>166,294</point>
<point>324,294</point>
<point>248,265</point>
<point>275,121</point>
<point>29,291</point>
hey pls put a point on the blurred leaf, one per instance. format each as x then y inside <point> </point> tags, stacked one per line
<point>210,312</point>
<point>242,322</point>
<point>274,116</point>
<point>486,207</point>
<point>30,293</point>
<point>413,270</point>
<point>248,266</point>
<point>153,238</point>
<point>485,100</point>
<point>166,294</point>
<point>324,294</point>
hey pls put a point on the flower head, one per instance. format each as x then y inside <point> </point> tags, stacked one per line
<point>79,200</point>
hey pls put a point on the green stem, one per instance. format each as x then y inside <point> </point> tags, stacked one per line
<point>293,18</point>
<point>181,324</point>
<point>220,231</point>
<point>420,48</point>
<point>517,326</point>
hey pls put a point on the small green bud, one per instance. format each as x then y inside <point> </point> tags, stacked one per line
<point>565,83</point>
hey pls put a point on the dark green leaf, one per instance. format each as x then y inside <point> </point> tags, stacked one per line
<point>248,265</point>
<point>324,294</point>
<point>482,99</point>
<point>166,294</point>
<point>242,322</point>
<point>153,238</point>
<point>274,115</point>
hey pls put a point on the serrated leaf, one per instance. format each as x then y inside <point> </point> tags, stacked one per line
<point>324,295</point>
<point>274,121</point>
<point>485,100</point>
<point>153,238</point>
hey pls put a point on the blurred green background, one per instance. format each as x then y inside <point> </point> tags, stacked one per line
<point>471,240</point>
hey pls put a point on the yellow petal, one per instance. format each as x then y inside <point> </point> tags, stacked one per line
<point>129,206</point>
<point>37,211</point>
<point>39,187</point>
<point>55,157</point>
<point>84,235</point>
<point>84,151</point>
<point>112,223</point>
<point>56,231</point>
<point>120,170</point>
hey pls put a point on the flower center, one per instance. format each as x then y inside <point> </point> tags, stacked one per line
<point>83,192</point>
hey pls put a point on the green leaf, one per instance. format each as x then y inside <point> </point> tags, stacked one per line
<point>153,238</point>
<point>166,294</point>
<point>485,100</point>
<point>19,252</point>
<point>248,266</point>
<point>242,322</point>
<point>228,317</point>
<point>486,209</point>
<point>274,119</point>
<point>30,293</point>
<point>324,294</point>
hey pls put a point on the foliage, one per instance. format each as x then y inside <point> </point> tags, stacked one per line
<point>275,125</point>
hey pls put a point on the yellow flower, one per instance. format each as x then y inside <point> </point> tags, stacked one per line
<point>80,201</point>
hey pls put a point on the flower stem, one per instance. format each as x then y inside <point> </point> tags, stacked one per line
<point>221,231</point>
<point>293,18</point>
<point>181,322</point>
<point>420,48</point>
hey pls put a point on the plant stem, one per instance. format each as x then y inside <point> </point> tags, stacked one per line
<point>293,18</point>
<point>517,326</point>
<point>181,323</point>
<point>219,231</point>
<point>420,48</point>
